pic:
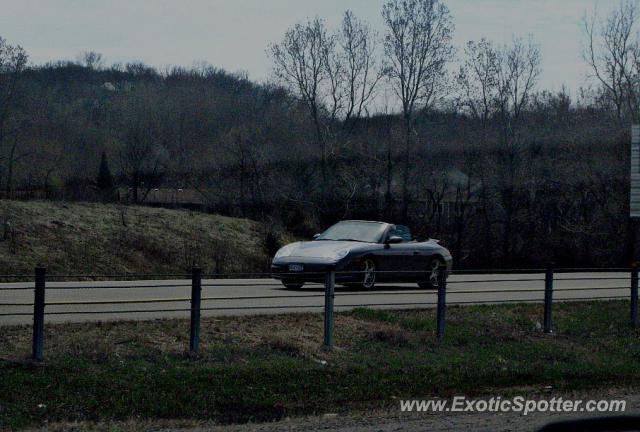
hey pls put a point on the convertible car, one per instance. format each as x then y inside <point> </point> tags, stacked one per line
<point>362,253</point>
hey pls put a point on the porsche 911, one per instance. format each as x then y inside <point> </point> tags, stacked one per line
<point>363,253</point>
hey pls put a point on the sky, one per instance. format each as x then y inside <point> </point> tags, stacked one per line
<point>234,34</point>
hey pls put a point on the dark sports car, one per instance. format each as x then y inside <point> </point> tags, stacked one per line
<point>362,253</point>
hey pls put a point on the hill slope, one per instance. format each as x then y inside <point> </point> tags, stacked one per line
<point>108,239</point>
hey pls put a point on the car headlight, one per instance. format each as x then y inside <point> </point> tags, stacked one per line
<point>340,254</point>
<point>285,251</point>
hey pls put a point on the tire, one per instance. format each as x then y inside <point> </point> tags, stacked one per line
<point>434,272</point>
<point>293,285</point>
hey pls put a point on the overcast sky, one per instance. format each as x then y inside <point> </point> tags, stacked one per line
<point>233,34</point>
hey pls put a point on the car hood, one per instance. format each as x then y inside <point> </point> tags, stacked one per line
<point>323,248</point>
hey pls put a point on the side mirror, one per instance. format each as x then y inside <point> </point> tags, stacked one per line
<point>315,236</point>
<point>394,240</point>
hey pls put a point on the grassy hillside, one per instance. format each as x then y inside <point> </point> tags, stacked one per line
<point>100,238</point>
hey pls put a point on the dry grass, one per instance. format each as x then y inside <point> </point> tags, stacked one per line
<point>392,337</point>
<point>296,335</point>
<point>99,238</point>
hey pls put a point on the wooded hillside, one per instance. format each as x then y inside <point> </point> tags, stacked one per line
<point>507,174</point>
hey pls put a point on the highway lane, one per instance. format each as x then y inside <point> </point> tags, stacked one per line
<point>216,295</point>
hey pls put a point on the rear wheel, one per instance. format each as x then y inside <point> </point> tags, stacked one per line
<point>434,273</point>
<point>293,285</point>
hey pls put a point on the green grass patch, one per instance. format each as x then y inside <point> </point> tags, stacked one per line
<point>267,367</point>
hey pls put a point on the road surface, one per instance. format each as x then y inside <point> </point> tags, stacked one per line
<point>260,296</point>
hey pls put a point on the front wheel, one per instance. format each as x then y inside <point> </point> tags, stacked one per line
<point>368,273</point>
<point>366,276</point>
<point>434,273</point>
<point>293,285</point>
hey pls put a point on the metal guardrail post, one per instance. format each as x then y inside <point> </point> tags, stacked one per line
<point>329,294</point>
<point>634,295</point>
<point>442,305</point>
<point>38,314</point>
<point>196,291</point>
<point>548,298</point>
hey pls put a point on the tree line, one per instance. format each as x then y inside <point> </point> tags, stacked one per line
<point>460,143</point>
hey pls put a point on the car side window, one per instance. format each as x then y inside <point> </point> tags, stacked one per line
<point>401,231</point>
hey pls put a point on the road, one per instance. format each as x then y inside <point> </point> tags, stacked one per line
<point>174,295</point>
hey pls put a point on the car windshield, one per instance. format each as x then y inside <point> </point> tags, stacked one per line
<point>370,232</point>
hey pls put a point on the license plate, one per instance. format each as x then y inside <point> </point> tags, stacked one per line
<point>296,267</point>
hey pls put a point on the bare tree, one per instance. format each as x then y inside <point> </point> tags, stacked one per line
<point>248,158</point>
<point>517,77</point>
<point>91,59</point>
<point>417,47</point>
<point>612,51</point>
<point>360,67</point>
<point>478,80</point>
<point>13,60</point>
<point>13,157</point>
<point>496,86</point>
<point>334,74</point>
<point>497,83</point>
<point>141,152</point>
<point>300,61</point>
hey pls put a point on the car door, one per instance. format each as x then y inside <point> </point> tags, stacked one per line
<point>400,257</point>
<point>414,255</point>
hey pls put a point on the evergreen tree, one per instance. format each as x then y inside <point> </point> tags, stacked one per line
<point>104,180</point>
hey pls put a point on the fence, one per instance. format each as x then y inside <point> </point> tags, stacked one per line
<point>325,289</point>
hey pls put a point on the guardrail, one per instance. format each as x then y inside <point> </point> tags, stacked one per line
<point>326,281</point>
